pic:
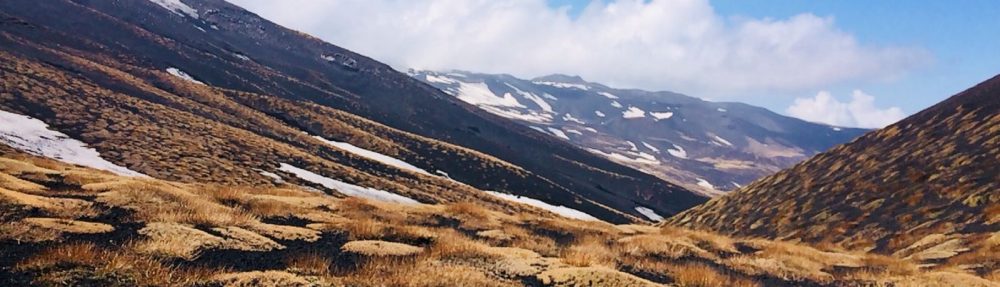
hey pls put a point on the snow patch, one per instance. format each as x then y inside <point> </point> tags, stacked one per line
<point>599,114</point>
<point>704,183</point>
<point>480,94</point>
<point>181,74</point>
<point>532,97</point>
<point>651,147</point>
<point>34,136</point>
<point>277,178</point>
<point>633,113</point>
<point>558,133</point>
<point>177,7</point>
<point>636,157</point>
<point>346,188</point>
<point>678,152</point>
<point>590,129</point>
<point>538,129</point>
<point>608,95</point>
<point>564,85</point>
<point>721,110</point>
<point>616,104</point>
<point>836,129</point>
<point>661,115</point>
<point>572,131</point>
<point>440,79</point>
<point>241,56</point>
<point>722,140</point>
<point>373,155</point>
<point>530,116</point>
<point>557,209</point>
<point>632,146</point>
<point>569,118</point>
<point>649,213</point>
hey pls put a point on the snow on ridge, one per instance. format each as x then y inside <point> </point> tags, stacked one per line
<point>569,118</point>
<point>633,113</point>
<point>608,95</point>
<point>649,213</point>
<point>704,183</point>
<point>34,136</point>
<point>183,75</point>
<point>346,188</point>
<point>565,85</point>
<point>677,151</point>
<point>651,147</point>
<point>722,140</point>
<point>373,155</point>
<point>177,7</point>
<point>530,116</point>
<point>558,133</point>
<point>639,157</point>
<point>632,146</point>
<point>440,79</point>
<point>557,209</point>
<point>479,94</point>
<point>657,116</point>
<point>532,97</point>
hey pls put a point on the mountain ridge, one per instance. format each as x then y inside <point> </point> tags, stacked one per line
<point>709,147</point>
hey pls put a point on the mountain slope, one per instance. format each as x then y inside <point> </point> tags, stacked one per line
<point>704,146</point>
<point>206,91</point>
<point>927,187</point>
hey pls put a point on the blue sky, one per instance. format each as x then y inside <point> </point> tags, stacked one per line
<point>963,38</point>
<point>849,63</point>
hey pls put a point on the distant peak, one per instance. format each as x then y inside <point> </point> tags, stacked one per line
<point>560,78</point>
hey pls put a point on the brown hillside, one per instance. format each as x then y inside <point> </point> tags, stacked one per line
<point>926,188</point>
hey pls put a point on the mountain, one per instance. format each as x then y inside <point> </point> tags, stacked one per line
<point>926,188</point>
<point>709,147</point>
<point>205,91</point>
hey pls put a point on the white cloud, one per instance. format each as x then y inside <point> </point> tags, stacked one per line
<point>681,45</point>
<point>859,112</point>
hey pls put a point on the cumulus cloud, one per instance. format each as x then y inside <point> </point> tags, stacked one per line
<point>859,112</point>
<point>681,45</point>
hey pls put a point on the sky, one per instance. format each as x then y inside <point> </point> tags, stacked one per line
<point>846,63</point>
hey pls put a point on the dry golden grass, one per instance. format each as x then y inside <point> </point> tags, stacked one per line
<point>590,276</point>
<point>376,248</point>
<point>68,226</point>
<point>589,251</point>
<point>701,275</point>
<point>309,264</point>
<point>88,263</point>
<point>59,207</point>
<point>13,183</point>
<point>356,242</point>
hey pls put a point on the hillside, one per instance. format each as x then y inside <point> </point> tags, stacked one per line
<point>204,91</point>
<point>64,225</point>
<point>708,147</point>
<point>926,188</point>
